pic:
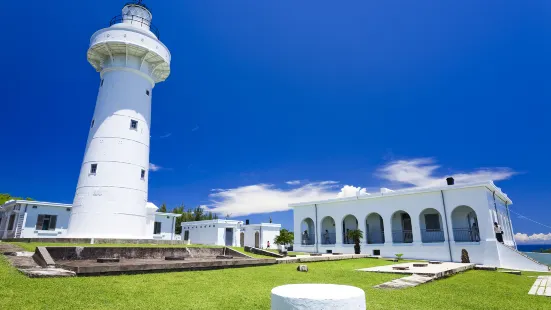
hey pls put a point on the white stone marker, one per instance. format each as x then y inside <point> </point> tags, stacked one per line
<point>318,297</point>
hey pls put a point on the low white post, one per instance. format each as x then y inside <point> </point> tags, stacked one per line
<point>318,297</point>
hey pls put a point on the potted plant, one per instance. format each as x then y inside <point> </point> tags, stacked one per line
<point>356,235</point>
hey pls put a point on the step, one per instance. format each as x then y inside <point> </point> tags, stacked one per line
<point>515,272</point>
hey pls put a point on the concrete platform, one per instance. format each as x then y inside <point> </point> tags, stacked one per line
<point>431,270</point>
<point>47,273</point>
<point>406,282</point>
<point>126,266</point>
<point>541,287</point>
<point>98,260</point>
<point>320,258</point>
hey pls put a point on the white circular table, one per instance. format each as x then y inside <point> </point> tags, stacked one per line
<point>317,296</point>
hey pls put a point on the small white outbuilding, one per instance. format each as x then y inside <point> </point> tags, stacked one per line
<point>230,233</point>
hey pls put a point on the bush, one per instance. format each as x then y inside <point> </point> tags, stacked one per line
<point>399,256</point>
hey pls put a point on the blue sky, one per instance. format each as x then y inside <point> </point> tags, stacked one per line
<point>262,93</point>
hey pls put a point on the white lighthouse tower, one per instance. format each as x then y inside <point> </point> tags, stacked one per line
<point>111,195</point>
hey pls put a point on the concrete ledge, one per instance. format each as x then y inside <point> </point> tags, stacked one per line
<point>486,268</point>
<point>262,252</point>
<point>230,251</point>
<point>43,258</point>
<point>142,266</point>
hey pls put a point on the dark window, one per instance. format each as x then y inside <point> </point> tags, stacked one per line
<point>46,222</point>
<point>11,222</point>
<point>34,207</point>
<point>133,124</point>
<point>157,228</point>
<point>147,92</point>
<point>143,174</point>
<point>93,168</point>
<point>376,252</point>
<point>101,83</point>
<point>92,125</point>
<point>186,235</point>
<point>432,221</point>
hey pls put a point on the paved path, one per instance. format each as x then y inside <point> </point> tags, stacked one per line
<point>542,286</point>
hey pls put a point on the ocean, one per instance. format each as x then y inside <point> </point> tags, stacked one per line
<point>533,247</point>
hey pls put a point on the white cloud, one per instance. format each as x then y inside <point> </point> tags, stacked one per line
<point>153,167</point>
<point>295,182</point>
<point>533,239</point>
<point>265,198</point>
<point>351,191</point>
<point>420,172</point>
<point>166,135</point>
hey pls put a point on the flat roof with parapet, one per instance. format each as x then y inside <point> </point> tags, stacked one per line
<point>411,191</point>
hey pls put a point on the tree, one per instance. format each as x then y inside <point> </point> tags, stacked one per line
<point>8,197</point>
<point>162,208</point>
<point>284,237</point>
<point>356,235</point>
<point>198,213</point>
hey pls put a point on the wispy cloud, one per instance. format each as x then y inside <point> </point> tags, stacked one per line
<point>533,239</point>
<point>153,167</point>
<point>294,182</point>
<point>166,135</point>
<point>195,128</point>
<point>421,172</point>
<point>266,198</point>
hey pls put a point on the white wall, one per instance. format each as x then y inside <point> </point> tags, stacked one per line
<point>111,202</point>
<point>211,232</point>
<point>267,232</point>
<point>481,252</point>
<point>167,227</point>
<point>29,228</point>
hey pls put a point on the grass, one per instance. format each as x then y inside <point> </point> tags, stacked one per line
<point>249,288</point>
<point>288,253</point>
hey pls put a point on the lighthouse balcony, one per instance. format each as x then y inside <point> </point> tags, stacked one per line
<point>137,21</point>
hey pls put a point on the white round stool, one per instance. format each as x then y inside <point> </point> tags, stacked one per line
<point>317,296</point>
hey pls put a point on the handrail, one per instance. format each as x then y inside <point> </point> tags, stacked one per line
<point>135,19</point>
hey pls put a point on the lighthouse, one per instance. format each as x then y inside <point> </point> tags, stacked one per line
<point>111,195</point>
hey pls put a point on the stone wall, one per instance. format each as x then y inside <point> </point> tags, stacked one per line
<point>91,253</point>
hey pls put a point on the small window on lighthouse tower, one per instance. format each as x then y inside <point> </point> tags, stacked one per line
<point>101,83</point>
<point>134,124</point>
<point>92,125</point>
<point>143,174</point>
<point>147,92</point>
<point>93,168</point>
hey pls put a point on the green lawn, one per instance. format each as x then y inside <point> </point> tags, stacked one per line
<point>288,253</point>
<point>249,288</point>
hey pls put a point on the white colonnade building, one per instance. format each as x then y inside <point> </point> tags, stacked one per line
<point>427,223</point>
<point>112,191</point>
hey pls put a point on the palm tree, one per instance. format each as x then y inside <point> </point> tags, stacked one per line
<point>356,235</point>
